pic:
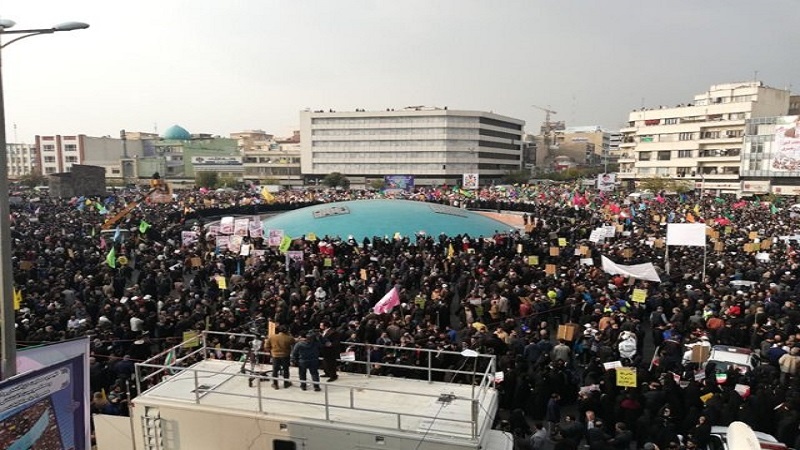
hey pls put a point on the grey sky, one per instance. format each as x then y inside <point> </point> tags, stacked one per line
<point>220,66</point>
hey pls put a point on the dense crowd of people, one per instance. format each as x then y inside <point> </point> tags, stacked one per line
<point>136,289</point>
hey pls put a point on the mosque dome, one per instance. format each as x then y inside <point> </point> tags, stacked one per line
<point>177,133</point>
<point>368,218</point>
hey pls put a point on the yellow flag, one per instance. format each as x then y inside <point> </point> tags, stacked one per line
<point>17,299</point>
<point>222,283</point>
<point>697,209</point>
<point>268,197</point>
<point>450,251</point>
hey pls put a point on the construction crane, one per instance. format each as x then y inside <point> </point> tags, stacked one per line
<point>548,127</point>
<point>547,111</point>
<point>156,185</point>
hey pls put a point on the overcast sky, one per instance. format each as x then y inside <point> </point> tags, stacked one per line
<point>221,66</point>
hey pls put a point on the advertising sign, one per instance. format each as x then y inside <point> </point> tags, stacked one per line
<point>399,183</point>
<point>217,160</point>
<point>786,148</point>
<point>48,407</point>
<point>606,181</point>
<point>756,186</point>
<point>470,181</point>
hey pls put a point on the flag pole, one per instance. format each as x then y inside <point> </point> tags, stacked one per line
<point>705,255</point>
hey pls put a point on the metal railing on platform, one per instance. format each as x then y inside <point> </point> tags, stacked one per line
<point>167,365</point>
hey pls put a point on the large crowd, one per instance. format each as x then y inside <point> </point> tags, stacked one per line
<point>504,294</point>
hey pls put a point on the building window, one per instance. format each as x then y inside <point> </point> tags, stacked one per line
<point>71,159</point>
<point>644,156</point>
<point>49,159</point>
<point>684,153</point>
<point>709,135</point>
<point>49,170</point>
<point>685,136</point>
<point>70,147</point>
<point>651,122</point>
<point>671,121</point>
<point>664,156</point>
<point>734,133</point>
<point>48,148</point>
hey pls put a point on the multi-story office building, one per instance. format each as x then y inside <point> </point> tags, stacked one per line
<point>610,150</point>
<point>22,160</point>
<point>771,156</point>
<point>701,141</point>
<point>434,145</point>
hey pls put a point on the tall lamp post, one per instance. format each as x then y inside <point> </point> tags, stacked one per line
<point>8,365</point>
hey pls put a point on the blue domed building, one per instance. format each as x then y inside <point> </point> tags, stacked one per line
<point>181,155</point>
<point>177,133</point>
<point>369,218</point>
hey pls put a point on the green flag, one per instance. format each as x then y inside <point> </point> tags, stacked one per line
<point>111,258</point>
<point>773,209</point>
<point>143,227</point>
<point>286,242</point>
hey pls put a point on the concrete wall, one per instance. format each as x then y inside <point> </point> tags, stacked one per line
<point>82,180</point>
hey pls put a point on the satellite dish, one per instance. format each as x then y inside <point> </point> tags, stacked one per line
<point>742,437</point>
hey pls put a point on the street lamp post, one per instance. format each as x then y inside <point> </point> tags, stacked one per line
<point>8,364</point>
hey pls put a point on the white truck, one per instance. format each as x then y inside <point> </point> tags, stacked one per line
<point>200,402</point>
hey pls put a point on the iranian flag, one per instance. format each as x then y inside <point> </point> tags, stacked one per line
<point>722,378</point>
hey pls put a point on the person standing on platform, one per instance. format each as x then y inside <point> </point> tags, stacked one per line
<point>330,349</point>
<point>305,355</point>
<point>279,347</point>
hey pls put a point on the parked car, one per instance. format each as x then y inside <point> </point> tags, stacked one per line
<point>719,440</point>
<point>725,356</point>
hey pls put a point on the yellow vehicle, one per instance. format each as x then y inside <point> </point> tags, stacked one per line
<point>157,186</point>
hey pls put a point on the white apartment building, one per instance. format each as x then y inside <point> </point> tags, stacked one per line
<point>699,141</point>
<point>21,160</point>
<point>435,145</point>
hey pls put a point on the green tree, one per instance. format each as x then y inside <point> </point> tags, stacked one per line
<point>680,186</point>
<point>33,179</point>
<point>377,184</point>
<point>516,176</point>
<point>654,184</point>
<point>336,179</point>
<point>208,180</point>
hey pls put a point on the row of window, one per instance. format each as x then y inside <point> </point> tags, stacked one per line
<point>666,155</point>
<point>52,159</point>
<point>407,167</point>
<point>272,171</point>
<point>395,131</point>
<point>256,160</point>
<point>686,171</point>
<point>67,148</point>
<point>689,136</point>
<point>691,119</point>
<point>427,120</point>
<point>721,100</point>
<point>442,143</point>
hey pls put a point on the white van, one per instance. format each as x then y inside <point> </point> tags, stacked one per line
<point>719,440</point>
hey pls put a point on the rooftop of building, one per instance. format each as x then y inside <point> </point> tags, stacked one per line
<point>439,411</point>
